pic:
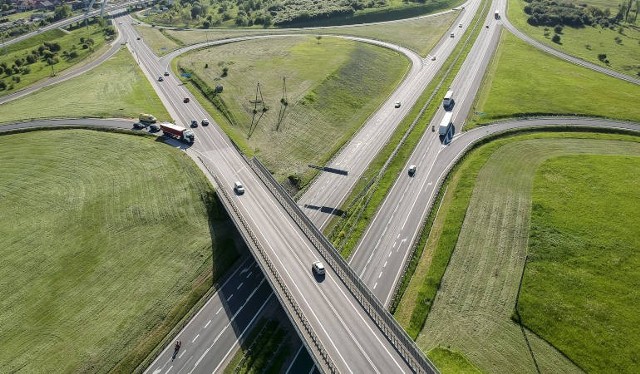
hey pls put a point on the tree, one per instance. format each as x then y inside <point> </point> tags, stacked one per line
<point>62,12</point>
<point>556,39</point>
<point>225,71</point>
<point>196,11</point>
<point>602,57</point>
<point>558,29</point>
<point>318,38</point>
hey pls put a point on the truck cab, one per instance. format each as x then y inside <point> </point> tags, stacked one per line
<point>448,101</point>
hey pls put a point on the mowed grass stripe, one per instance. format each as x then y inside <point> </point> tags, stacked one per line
<point>580,286</point>
<point>102,237</point>
<point>472,311</point>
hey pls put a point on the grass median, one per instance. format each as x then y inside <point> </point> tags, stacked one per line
<point>107,240</point>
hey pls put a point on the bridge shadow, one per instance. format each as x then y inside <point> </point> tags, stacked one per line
<point>330,169</point>
<point>326,209</point>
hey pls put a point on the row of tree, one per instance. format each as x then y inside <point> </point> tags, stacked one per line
<point>553,12</point>
<point>260,12</point>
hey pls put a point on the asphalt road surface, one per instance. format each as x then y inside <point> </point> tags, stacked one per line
<point>352,339</point>
<point>209,338</point>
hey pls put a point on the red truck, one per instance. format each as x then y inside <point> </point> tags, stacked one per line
<point>177,132</point>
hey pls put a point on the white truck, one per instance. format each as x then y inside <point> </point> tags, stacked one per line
<point>178,132</point>
<point>447,102</point>
<point>445,124</point>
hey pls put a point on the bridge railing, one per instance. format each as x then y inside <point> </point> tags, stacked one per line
<point>291,307</point>
<point>401,341</point>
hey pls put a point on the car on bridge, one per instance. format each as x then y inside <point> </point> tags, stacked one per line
<point>238,188</point>
<point>318,268</point>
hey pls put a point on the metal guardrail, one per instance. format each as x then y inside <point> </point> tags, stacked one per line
<point>401,341</point>
<point>287,300</point>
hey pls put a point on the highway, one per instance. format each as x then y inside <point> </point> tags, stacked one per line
<point>345,330</point>
<point>385,247</point>
<point>194,355</point>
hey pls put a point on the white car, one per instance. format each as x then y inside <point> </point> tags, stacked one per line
<point>412,170</point>
<point>398,104</point>
<point>238,187</point>
<point>318,268</point>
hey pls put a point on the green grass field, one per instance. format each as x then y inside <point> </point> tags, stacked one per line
<point>523,80</point>
<point>477,295</point>
<point>327,102</point>
<point>417,34</point>
<point>107,240</point>
<point>68,41</point>
<point>117,88</point>
<point>580,286</point>
<point>449,362</point>
<point>588,42</point>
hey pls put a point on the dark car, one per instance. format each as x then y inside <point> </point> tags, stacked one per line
<point>194,123</point>
<point>205,122</point>
<point>186,100</point>
<point>166,73</point>
<point>160,79</point>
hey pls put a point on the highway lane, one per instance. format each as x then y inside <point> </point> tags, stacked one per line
<point>329,190</point>
<point>383,251</point>
<point>334,314</point>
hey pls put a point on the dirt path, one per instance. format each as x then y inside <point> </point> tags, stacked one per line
<point>473,308</point>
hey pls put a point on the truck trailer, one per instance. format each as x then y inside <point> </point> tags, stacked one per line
<point>446,124</point>
<point>177,132</point>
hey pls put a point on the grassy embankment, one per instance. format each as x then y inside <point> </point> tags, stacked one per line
<point>580,286</point>
<point>99,264</point>
<point>117,88</point>
<point>417,34</point>
<point>476,298</point>
<point>524,81</point>
<point>327,102</point>
<point>71,52</point>
<point>588,42</point>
